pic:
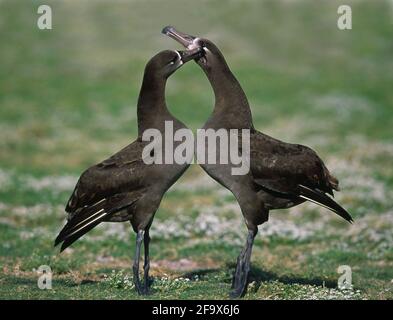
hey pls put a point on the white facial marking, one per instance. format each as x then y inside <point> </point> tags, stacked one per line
<point>194,44</point>
<point>180,60</point>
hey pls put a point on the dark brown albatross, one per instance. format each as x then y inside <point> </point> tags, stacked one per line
<point>281,174</point>
<point>123,187</point>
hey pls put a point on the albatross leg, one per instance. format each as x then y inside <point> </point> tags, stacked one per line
<point>243,267</point>
<point>135,268</point>
<point>146,265</point>
<point>236,275</point>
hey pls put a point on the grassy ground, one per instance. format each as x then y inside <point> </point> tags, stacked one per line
<point>67,100</point>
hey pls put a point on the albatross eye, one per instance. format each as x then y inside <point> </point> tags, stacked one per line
<point>173,61</point>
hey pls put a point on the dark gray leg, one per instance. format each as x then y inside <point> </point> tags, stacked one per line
<point>146,266</point>
<point>243,267</point>
<point>236,275</point>
<point>135,268</point>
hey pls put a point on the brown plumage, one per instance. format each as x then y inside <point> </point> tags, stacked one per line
<point>281,174</point>
<point>123,187</point>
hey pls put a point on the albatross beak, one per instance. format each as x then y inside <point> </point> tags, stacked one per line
<point>185,39</point>
<point>188,55</point>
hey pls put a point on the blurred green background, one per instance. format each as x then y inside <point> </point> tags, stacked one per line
<point>68,100</point>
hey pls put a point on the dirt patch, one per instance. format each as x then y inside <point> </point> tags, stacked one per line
<point>157,267</point>
<point>179,267</point>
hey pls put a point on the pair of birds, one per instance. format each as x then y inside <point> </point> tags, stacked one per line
<point>125,188</point>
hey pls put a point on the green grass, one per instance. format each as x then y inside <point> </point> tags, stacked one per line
<point>68,100</point>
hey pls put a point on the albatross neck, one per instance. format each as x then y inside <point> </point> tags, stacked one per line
<point>152,107</point>
<point>230,100</point>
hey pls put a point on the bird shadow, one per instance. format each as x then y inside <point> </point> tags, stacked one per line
<point>200,273</point>
<point>259,275</point>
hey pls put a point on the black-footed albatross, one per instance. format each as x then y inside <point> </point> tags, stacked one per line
<point>123,187</point>
<point>281,175</point>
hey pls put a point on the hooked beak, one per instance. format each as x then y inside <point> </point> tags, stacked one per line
<point>188,55</point>
<point>185,39</point>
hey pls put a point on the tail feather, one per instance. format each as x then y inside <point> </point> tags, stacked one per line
<point>79,232</point>
<point>90,217</point>
<point>74,233</point>
<point>79,218</point>
<point>323,200</point>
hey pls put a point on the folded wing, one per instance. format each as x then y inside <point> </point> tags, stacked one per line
<point>292,171</point>
<point>102,190</point>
